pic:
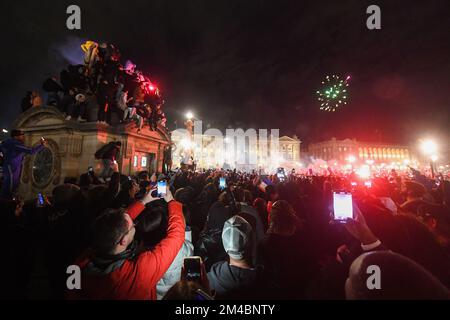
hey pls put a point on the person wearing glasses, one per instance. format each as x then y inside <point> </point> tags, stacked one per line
<point>116,268</point>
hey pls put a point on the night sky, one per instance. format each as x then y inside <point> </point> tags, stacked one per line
<point>253,64</point>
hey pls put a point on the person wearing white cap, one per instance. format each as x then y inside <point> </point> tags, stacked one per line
<point>236,278</point>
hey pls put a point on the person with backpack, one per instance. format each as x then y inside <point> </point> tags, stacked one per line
<point>108,154</point>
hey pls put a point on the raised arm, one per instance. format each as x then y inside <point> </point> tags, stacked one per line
<point>27,150</point>
<point>153,264</point>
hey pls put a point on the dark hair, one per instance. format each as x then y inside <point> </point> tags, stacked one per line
<point>107,230</point>
<point>143,175</point>
<point>118,143</point>
<point>85,180</point>
<point>66,196</point>
<point>152,225</point>
<point>243,195</point>
<point>16,133</point>
<point>402,277</point>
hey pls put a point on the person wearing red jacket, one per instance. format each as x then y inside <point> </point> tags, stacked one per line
<point>114,268</point>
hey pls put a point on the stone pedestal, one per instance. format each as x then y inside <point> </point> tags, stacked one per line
<point>71,147</point>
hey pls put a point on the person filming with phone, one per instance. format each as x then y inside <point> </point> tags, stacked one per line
<point>13,150</point>
<point>115,268</point>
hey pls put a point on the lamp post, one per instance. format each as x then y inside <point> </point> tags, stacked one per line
<point>189,142</point>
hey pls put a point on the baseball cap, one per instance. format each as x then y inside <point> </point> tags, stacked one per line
<point>236,237</point>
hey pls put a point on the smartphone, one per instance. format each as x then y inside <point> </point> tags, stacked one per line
<point>222,183</point>
<point>162,188</point>
<point>192,268</point>
<point>342,206</point>
<point>40,200</point>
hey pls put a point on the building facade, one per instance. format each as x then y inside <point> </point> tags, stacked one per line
<point>342,150</point>
<point>71,147</point>
<point>255,153</point>
<point>289,148</point>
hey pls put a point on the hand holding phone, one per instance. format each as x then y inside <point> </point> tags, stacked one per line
<point>151,196</point>
<point>358,228</point>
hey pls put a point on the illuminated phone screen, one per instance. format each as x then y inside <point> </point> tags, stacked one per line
<point>192,266</point>
<point>162,188</point>
<point>222,183</point>
<point>342,205</point>
<point>40,199</point>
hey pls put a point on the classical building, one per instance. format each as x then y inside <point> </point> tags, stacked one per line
<point>341,150</point>
<point>254,154</point>
<point>71,147</point>
<point>289,148</point>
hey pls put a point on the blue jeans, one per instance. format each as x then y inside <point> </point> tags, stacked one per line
<point>11,181</point>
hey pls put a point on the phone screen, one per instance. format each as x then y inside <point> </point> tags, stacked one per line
<point>222,183</point>
<point>192,267</point>
<point>162,188</point>
<point>40,199</point>
<point>342,205</point>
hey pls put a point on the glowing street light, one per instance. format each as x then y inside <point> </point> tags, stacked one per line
<point>189,115</point>
<point>4,130</point>
<point>429,147</point>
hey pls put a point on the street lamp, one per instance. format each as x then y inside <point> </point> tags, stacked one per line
<point>429,147</point>
<point>189,115</point>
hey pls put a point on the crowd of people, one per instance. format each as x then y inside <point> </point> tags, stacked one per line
<point>258,238</point>
<point>102,90</point>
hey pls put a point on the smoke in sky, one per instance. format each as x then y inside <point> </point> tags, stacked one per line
<point>69,51</point>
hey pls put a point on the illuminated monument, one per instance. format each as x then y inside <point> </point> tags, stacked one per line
<point>71,147</point>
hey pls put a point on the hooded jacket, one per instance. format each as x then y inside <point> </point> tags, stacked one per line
<point>134,277</point>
